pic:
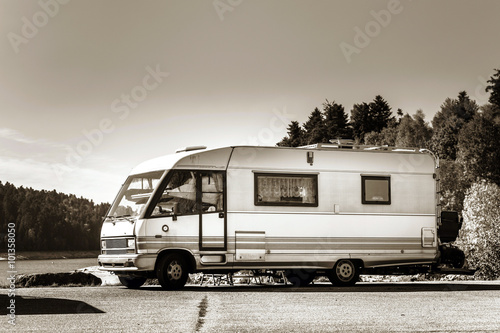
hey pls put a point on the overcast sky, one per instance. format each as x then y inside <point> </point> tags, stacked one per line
<point>89,89</point>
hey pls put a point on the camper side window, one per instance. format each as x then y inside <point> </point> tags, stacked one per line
<point>376,190</point>
<point>286,190</point>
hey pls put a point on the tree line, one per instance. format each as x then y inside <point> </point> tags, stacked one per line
<point>464,135</point>
<point>49,220</point>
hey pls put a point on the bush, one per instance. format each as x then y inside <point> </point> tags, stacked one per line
<point>480,234</point>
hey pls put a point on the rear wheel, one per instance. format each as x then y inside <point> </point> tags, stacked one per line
<point>344,273</point>
<point>299,277</point>
<point>132,282</point>
<point>172,272</point>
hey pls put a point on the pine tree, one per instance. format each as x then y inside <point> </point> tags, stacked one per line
<point>295,137</point>
<point>494,87</point>
<point>373,117</point>
<point>336,121</point>
<point>360,121</point>
<point>314,128</point>
<point>380,112</point>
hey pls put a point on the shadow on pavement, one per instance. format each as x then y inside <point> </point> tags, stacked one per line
<point>36,305</point>
<point>358,288</point>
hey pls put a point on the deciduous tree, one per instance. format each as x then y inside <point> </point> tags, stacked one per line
<point>413,131</point>
<point>448,122</point>
<point>478,149</point>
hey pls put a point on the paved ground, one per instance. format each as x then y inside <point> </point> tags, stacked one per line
<point>367,307</point>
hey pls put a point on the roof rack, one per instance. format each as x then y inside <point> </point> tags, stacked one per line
<point>352,146</point>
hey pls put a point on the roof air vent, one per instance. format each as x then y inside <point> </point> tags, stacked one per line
<point>190,148</point>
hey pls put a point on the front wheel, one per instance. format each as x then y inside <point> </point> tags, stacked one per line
<point>172,272</point>
<point>132,282</point>
<point>344,273</point>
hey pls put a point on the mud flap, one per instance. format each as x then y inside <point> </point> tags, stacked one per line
<point>450,226</point>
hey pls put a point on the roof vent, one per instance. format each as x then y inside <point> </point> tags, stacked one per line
<point>190,148</point>
<point>343,143</point>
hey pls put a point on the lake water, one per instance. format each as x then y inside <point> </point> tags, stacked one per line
<point>45,266</point>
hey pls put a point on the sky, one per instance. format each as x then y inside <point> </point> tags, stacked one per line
<point>91,88</point>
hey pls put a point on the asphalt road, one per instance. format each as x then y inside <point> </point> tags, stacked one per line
<point>366,307</point>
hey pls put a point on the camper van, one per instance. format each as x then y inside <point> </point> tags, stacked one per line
<point>326,209</point>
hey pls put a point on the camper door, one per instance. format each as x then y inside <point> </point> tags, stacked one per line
<point>193,201</point>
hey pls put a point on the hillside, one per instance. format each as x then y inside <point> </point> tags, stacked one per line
<point>49,220</point>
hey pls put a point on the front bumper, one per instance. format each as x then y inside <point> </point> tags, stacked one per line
<point>127,262</point>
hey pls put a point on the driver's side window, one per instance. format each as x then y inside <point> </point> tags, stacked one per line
<point>179,196</point>
<point>191,192</point>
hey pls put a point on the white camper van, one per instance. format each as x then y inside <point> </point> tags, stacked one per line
<point>324,209</point>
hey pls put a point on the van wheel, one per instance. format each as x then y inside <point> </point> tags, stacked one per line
<point>172,272</point>
<point>299,277</point>
<point>344,273</point>
<point>132,282</point>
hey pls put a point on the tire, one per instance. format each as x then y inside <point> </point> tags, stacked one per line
<point>132,282</point>
<point>344,273</point>
<point>172,272</point>
<point>299,277</point>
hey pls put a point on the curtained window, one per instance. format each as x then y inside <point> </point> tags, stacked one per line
<point>286,190</point>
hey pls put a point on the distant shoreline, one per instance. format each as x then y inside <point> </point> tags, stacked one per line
<point>44,255</point>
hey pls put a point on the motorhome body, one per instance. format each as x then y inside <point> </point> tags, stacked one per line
<point>314,210</point>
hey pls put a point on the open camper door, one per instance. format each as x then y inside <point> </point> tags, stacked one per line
<point>211,198</point>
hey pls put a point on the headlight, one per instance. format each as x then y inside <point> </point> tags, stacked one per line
<point>131,242</point>
<point>103,244</point>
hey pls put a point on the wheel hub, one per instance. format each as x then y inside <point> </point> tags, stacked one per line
<point>174,271</point>
<point>344,271</point>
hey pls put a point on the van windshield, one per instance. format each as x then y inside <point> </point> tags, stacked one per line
<point>134,195</point>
